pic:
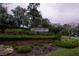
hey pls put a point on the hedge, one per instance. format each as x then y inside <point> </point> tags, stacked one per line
<point>14,37</point>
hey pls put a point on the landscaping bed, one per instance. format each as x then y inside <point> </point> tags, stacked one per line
<point>43,47</point>
<point>37,47</point>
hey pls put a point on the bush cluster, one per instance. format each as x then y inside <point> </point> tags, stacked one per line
<point>14,31</point>
<point>24,31</point>
<point>57,37</point>
<point>67,43</point>
<point>23,49</point>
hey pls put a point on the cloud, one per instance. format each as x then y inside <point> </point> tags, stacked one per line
<point>56,12</point>
<point>62,12</point>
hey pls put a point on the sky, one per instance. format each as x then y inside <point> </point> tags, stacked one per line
<point>56,12</point>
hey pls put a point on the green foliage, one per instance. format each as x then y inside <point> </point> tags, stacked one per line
<point>24,49</point>
<point>18,30</point>
<point>28,32</point>
<point>30,17</point>
<point>19,15</point>
<point>38,33</point>
<point>65,52</point>
<point>56,28</point>
<point>35,15</point>
<point>67,43</point>
<point>57,37</point>
<point>24,31</point>
<point>3,17</point>
<point>9,37</point>
<point>45,23</point>
<point>14,31</point>
<point>65,31</point>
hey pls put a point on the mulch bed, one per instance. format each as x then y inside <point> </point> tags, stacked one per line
<point>40,51</point>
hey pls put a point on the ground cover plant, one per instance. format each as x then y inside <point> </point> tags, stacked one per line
<point>23,49</point>
<point>67,43</point>
<point>67,47</point>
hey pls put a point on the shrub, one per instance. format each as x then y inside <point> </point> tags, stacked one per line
<point>24,49</point>
<point>67,43</point>
<point>46,33</point>
<point>14,31</point>
<point>65,52</point>
<point>25,31</point>
<point>57,37</point>
<point>29,32</point>
<point>18,31</point>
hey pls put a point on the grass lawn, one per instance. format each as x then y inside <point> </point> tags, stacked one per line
<point>65,52</point>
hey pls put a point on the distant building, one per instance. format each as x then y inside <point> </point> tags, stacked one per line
<point>40,29</point>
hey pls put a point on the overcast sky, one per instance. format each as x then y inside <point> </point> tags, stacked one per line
<point>56,12</point>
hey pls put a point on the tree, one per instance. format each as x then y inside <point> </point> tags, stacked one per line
<point>76,30</point>
<point>55,28</point>
<point>20,16</point>
<point>66,30</point>
<point>45,23</point>
<point>11,21</point>
<point>34,14</point>
<point>3,18</point>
